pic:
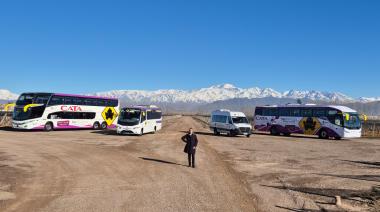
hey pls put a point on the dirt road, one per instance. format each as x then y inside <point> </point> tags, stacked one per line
<point>100,171</point>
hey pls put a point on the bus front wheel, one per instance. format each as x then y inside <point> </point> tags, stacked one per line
<point>141,132</point>
<point>48,127</point>
<point>323,134</point>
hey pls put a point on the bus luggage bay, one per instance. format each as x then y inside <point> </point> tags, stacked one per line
<point>64,111</point>
<point>324,121</point>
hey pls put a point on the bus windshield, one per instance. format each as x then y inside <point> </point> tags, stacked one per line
<point>33,98</point>
<point>129,117</point>
<point>352,121</point>
<point>31,113</point>
<point>240,120</point>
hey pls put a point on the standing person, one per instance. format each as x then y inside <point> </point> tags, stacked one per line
<point>191,141</point>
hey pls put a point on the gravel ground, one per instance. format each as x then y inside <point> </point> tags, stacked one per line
<point>85,170</point>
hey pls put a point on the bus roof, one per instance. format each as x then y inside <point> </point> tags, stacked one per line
<point>71,95</point>
<point>85,96</point>
<point>143,107</point>
<point>338,107</point>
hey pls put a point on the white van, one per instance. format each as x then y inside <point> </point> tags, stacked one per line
<point>232,123</point>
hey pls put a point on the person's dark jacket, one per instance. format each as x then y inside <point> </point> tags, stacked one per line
<point>191,142</point>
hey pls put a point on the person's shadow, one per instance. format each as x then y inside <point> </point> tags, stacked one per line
<point>161,161</point>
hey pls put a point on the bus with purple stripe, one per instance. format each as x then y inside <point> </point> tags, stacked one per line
<point>49,111</point>
<point>139,119</point>
<point>326,122</point>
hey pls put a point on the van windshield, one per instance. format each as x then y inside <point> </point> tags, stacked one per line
<point>240,120</point>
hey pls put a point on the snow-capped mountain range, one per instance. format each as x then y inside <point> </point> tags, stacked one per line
<point>225,92</point>
<point>7,95</point>
<point>215,93</point>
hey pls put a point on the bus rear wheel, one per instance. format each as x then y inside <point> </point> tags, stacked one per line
<point>103,125</point>
<point>48,126</point>
<point>96,126</point>
<point>273,131</point>
<point>323,134</point>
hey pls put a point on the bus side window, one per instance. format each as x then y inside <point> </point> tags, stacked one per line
<point>143,116</point>
<point>68,100</point>
<point>284,111</point>
<point>319,113</point>
<point>273,112</point>
<point>306,113</point>
<point>258,111</point>
<point>296,112</point>
<point>56,100</point>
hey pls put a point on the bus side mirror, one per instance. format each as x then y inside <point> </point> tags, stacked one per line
<point>347,116</point>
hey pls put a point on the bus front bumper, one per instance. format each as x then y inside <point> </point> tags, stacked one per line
<point>123,130</point>
<point>26,125</point>
<point>352,133</point>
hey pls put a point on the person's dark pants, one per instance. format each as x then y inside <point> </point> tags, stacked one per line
<point>191,159</point>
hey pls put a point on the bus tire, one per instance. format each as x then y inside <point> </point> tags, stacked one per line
<point>141,132</point>
<point>323,134</point>
<point>48,127</point>
<point>155,129</point>
<point>96,126</point>
<point>338,138</point>
<point>103,125</point>
<point>273,131</point>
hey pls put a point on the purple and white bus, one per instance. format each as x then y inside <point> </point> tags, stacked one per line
<point>324,121</point>
<point>50,111</point>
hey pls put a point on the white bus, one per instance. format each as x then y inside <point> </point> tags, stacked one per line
<point>50,111</point>
<point>139,120</point>
<point>230,122</point>
<point>324,121</point>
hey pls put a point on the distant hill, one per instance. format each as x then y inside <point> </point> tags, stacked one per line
<point>228,96</point>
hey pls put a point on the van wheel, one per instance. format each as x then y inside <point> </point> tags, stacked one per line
<point>273,131</point>
<point>96,126</point>
<point>48,127</point>
<point>323,134</point>
<point>104,125</point>
<point>216,132</point>
<point>231,133</point>
<point>248,135</point>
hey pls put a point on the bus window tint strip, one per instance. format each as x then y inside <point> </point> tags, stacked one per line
<point>153,115</point>
<point>69,100</point>
<point>71,115</point>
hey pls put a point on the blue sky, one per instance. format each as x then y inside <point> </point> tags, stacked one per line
<point>86,46</point>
